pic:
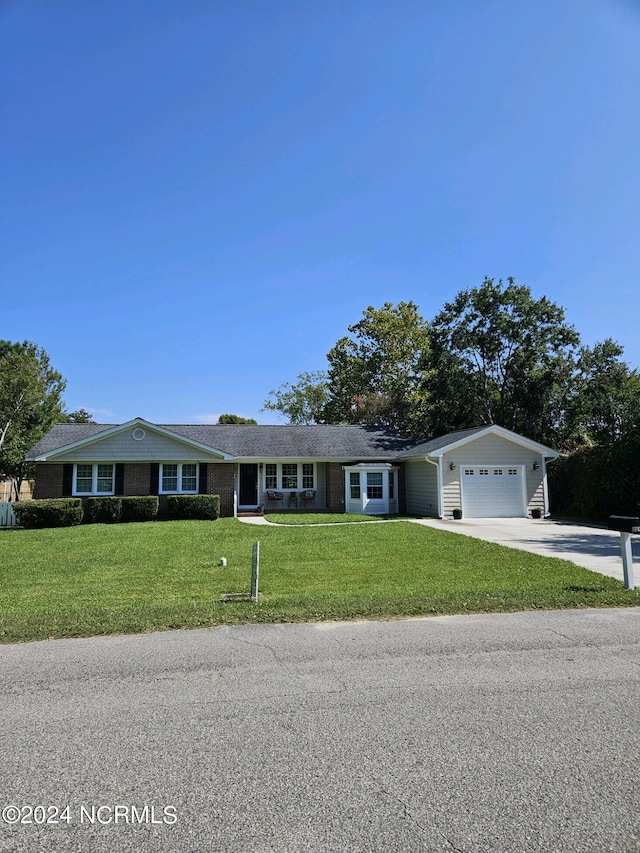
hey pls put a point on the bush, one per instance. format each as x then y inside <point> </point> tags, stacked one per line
<point>105,510</point>
<point>140,509</point>
<point>57,512</point>
<point>595,482</point>
<point>206,507</point>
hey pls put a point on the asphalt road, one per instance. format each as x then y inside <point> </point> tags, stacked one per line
<point>515,732</point>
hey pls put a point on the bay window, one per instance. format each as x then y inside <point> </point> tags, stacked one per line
<point>354,485</point>
<point>374,485</point>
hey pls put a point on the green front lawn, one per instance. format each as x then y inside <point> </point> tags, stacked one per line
<point>101,579</point>
<point>320,518</point>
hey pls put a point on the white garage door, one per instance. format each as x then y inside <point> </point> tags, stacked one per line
<point>490,492</point>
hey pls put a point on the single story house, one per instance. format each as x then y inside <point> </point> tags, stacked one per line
<point>487,471</point>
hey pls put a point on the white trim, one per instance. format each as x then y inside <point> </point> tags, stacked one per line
<point>179,490</point>
<point>545,489</point>
<point>262,475</point>
<point>94,480</point>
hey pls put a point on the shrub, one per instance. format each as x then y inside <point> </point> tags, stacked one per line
<point>205,507</point>
<point>140,509</point>
<point>105,510</point>
<point>595,482</point>
<point>56,512</point>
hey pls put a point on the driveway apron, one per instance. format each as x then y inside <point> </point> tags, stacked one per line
<point>593,548</point>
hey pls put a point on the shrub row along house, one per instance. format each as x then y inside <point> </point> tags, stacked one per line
<point>487,471</point>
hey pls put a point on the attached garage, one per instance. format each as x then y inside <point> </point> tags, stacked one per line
<point>493,492</point>
<point>486,472</point>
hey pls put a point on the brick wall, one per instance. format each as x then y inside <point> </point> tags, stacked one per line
<point>137,479</point>
<point>335,487</point>
<point>48,481</point>
<point>220,482</point>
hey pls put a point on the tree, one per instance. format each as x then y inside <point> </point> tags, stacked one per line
<point>303,402</point>
<point>511,357</point>
<point>606,391</point>
<point>30,404</point>
<point>235,419</point>
<point>81,416</point>
<point>376,376</point>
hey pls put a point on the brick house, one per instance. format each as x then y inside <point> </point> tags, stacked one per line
<point>486,471</point>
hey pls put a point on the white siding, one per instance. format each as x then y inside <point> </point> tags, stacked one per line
<point>421,486</point>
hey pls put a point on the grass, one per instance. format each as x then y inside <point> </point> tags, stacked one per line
<point>106,579</point>
<point>319,518</point>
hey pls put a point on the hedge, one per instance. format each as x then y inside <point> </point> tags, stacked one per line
<point>140,508</point>
<point>55,512</point>
<point>104,510</point>
<point>206,507</point>
<point>595,482</point>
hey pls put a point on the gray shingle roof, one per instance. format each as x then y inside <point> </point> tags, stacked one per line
<point>422,447</point>
<point>316,441</point>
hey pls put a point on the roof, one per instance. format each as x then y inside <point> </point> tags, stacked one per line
<point>313,441</point>
<point>318,441</point>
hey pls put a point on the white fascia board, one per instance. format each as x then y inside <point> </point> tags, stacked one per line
<point>494,429</point>
<point>136,422</point>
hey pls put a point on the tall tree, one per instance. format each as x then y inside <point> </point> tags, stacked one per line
<point>605,396</point>
<point>512,357</point>
<point>376,374</point>
<point>30,403</point>
<point>302,402</point>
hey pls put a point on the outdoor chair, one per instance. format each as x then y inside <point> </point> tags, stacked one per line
<point>308,497</point>
<point>274,498</point>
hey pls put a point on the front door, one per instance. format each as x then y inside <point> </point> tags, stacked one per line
<point>248,485</point>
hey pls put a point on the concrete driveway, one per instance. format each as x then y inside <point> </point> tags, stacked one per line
<point>592,547</point>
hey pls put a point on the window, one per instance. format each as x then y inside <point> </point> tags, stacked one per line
<point>392,485</point>
<point>93,479</point>
<point>178,477</point>
<point>354,485</point>
<point>289,475</point>
<point>189,477</point>
<point>271,475</point>
<point>374,486</point>
<point>307,475</point>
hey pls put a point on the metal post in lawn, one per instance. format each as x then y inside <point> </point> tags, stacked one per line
<point>627,560</point>
<point>255,570</point>
<point>625,525</point>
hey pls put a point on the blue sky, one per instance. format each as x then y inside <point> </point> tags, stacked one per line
<point>199,197</point>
